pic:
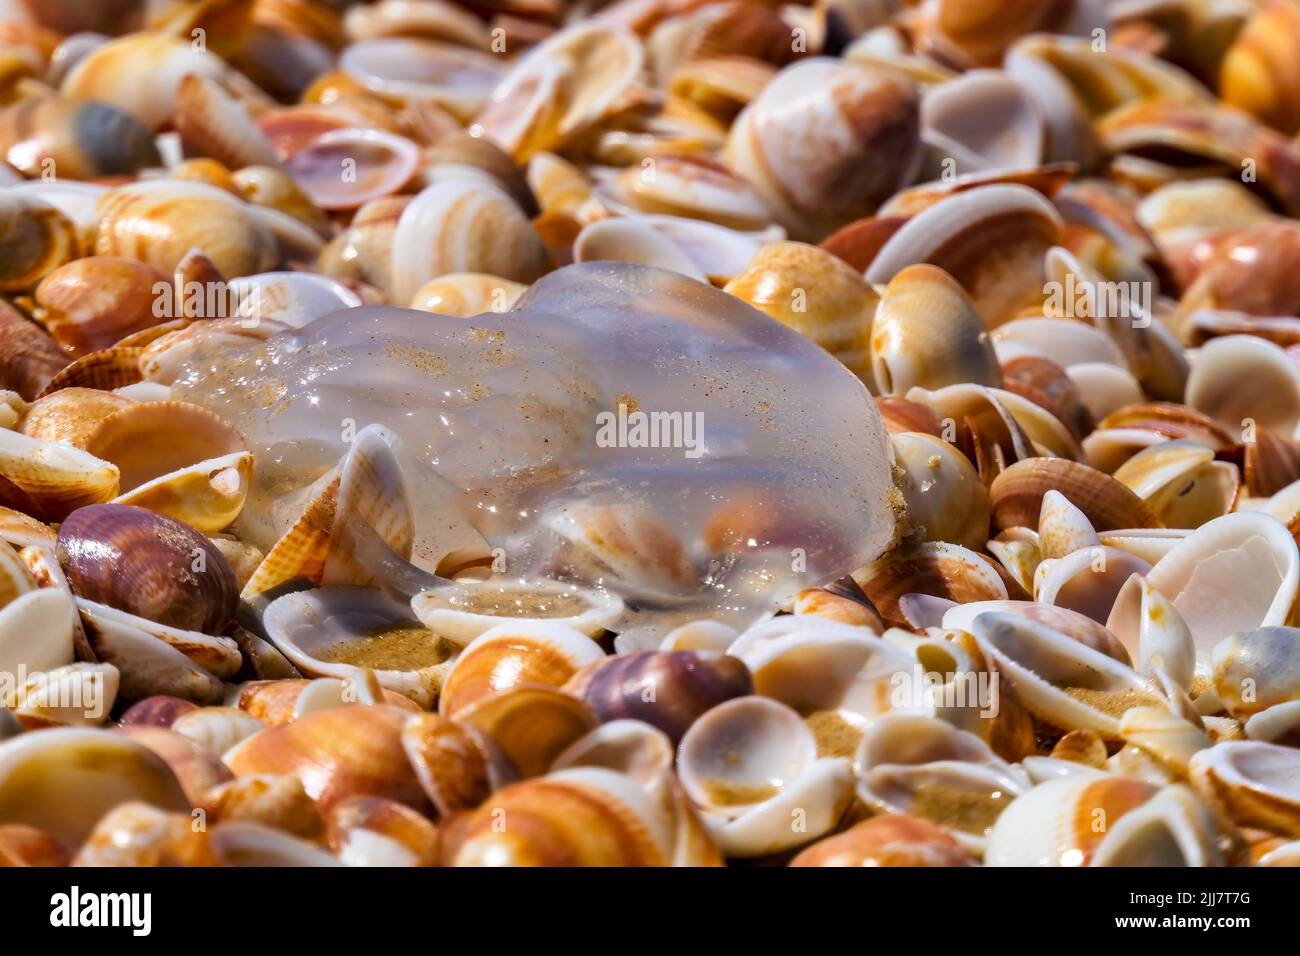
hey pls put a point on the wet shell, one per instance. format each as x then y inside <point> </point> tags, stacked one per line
<point>159,222</point>
<point>1016,495</point>
<point>667,689</point>
<point>76,139</point>
<point>826,143</point>
<point>926,333</point>
<point>889,840</point>
<point>945,499</point>
<point>148,565</point>
<point>515,653</point>
<point>35,239</point>
<point>337,753</point>
<point>814,293</point>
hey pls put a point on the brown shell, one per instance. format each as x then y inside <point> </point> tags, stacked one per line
<point>274,801</point>
<point>35,239</point>
<point>337,753</point>
<point>890,840</point>
<point>532,724</point>
<point>29,356</point>
<point>1272,462</point>
<point>137,834</point>
<point>107,369</point>
<point>95,302</point>
<point>1016,495</point>
<point>386,818</point>
<point>450,760</point>
<point>859,241</point>
<point>21,845</point>
<point>272,701</point>
<point>160,710</point>
<point>82,139</point>
<point>197,769</point>
<point>150,439</point>
<point>214,124</point>
<point>1047,385</point>
<point>70,415</point>
<point>148,565</point>
<point>666,689</point>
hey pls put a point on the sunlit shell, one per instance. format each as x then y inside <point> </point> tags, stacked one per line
<point>346,168</point>
<point>212,123</point>
<point>35,239</point>
<point>408,68</point>
<point>936,568</point>
<point>889,840</point>
<point>1254,783</point>
<point>56,478</point>
<point>945,499</point>
<point>1016,495</point>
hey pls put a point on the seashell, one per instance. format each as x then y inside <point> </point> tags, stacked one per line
<point>747,763</point>
<point>277,702</point>
<point>79,139</point>
<point>889,840</point>
<point>927,334</point>
<point>629,239</point>
<point>1065,343</point>
<point>241,843</point>
<point>512,654</point>
<point>35,239</point>
<point>31,357</point>
<point>1062,528</point>
<point>721,85</point>
<point>532,724</point>
<point>700,636</point>
<point>410,69</point>
<point>463,225</point>
<point>206,496</point>
<point>579,817</point>
<point>979,34</point>
<point>1016,495</point>
<point>860,241</point>
<point>159,710</point>
<point>272,187</point>
<point>372,831</point>
<point>1163,642</point>
<point>1181,482</point>
<point>216,729</point>
<point>981,120</point>
<point>1165,736</point>
<point>1062,682</point>
<point>464,611</point>
<point>1252,783</point>
<point>1231,575</point>
<point>945,499</point>
<point>419,18</point>
<point>332,632</point>
<point>837,603</point>
<point>630,747</point>
<point>666,689</point>
<point>1206,133</point>
<point>148,440</point>
<point>278,802</point>
<point>1274,725</point>
<point>1257,669</point>
<point>848,142</point>
<point>137,834</point>
<point>1073,400</point>
<point>141,74</point>
<point>62,781</point>
<point>1264,390</point>
<point>817,295</point>
<point>337,753</point>
<point>27,846</point>
<point>559,89</point>
<point>457,765</point>
<point>1014,220</point>
<point>380,163</point>
<point>924,767</point>
<point>1258,71</point>
<point>1082,747</point>
<point>212,123</point>
<point>147,565</point>
<point>936,568</point>
<point>197,768</point>
<point>74,695</point>
<point>159,222</point>
<point>688,186</point>
<point>93,303</point>
<point>467,294</point>
<point>1081,821</point>
<point>55,478</point>
<point>1188,219</point>
<point>1272,462</point>
<point>1062,620</point>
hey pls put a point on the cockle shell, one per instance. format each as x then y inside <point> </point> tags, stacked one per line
<point>981,120</point>
<point>346,168</point>
<point>31,357</point>
<point>808,159</point>
<point>141,74</point>
<point>927,334</point>
<point>631,747</point>
<point>337,753</point>
<point>93,303</point>
<point>405,69</point>
<point>159,222</point>
<point>74,695</point>
<point>1253,783</point>
<point>63,781</point>
<point>935,568</point>
<point>1011,226</point>
<point>814,293</point>
<point>1258,71</point>
<point>888,840</point>
<point>55,479</point>
<point>332,632</point>
<point>945,499</point>
<point>372,831</point>
<point>277,801</point>
<point>1080,821</point>
<point>748,764</point>
<point>1016,495</point>
<point>1264,389</point>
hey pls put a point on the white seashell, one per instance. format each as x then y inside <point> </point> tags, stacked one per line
<point>461,612</point>
<point>293,298</point>
<point>700,636</point>
<point>981,120</point>
<point>1243,379</point>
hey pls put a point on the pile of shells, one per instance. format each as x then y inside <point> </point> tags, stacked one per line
<point>1055,247</point>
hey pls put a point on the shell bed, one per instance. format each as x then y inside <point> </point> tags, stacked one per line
<point>650,433</point>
